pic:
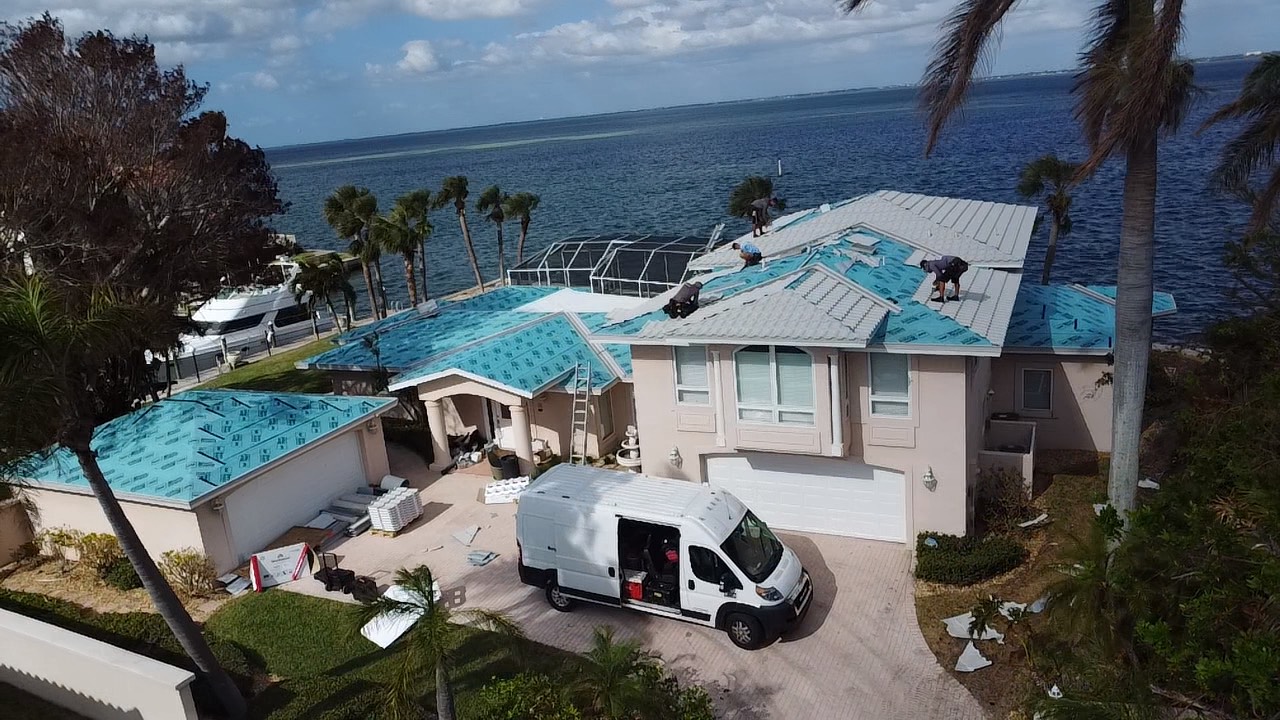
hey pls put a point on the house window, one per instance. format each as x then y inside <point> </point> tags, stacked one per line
<point>604,408</point>
<point>890,385</point>
<point>692,387</point>
<point>775,385</point>
<point>1037,389</point>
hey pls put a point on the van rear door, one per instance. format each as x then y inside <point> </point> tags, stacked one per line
<point>587,557</point>
<point>537,537</point>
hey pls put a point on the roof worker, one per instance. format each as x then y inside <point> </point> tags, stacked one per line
<point>684,302</point>
<point>749,253</point>
<point>946,269</point>
<point>760,218</point>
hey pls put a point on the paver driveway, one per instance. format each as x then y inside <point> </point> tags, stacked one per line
<point>858,654</point>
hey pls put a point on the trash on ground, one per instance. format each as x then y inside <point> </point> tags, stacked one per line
<point>971,659</point>
<point>1148,484</point>
<point>1040,520</point>
<point>480,558</point>
<point>1039,605</point>
<point>1098,508</point>
<point>466,535</point>
<point>931,541</point>
<point>388,626</point>
<point>958,627</point>
<point>1007,608</point>
<point>1055,693</point>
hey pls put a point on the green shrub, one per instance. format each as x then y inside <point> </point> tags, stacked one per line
<point>98,552</point>
<point>966,560</point>
<point>57,542</point>
<point>122,576</point>
<point>189,571</point>
<point>413,435</point>
<point>527,696</point>
<point>143,633</point>
<point>1001,502</point>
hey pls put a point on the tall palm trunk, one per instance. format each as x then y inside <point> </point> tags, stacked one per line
<point>346,302</point>
<point>502,257</point>
<point>162,596</point>
<point>410,279</point>
<point>337,324</point>
<point>1133,321</point>
<point>471,251</point>
<point>368,284</point>
<point>315,326</point>
<point>422,254</point>
<point>524,233</point>
<point>445,709</point>
<point>1051,251</point>
<point>382,286</point>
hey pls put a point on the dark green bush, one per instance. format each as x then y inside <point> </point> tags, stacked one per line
<point>121,575</point>
<point>142,633</point>
<point>966,560</point>
<point>413,435</point>
<point>526,696</point>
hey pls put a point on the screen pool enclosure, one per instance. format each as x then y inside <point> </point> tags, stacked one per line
<point>616,263</point>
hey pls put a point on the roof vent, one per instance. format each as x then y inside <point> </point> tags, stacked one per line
<point>824,207</point>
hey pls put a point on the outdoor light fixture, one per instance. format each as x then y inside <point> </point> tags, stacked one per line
<point>930,482</point>
<point>674,458</point>
<point>371,426</point>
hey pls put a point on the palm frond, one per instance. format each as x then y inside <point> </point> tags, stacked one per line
<point>521,205</point>
<point>453,191</point>
<point>754,187</point>
<point>491,621</point>
<point>962,52</point>
<point>853,5</point>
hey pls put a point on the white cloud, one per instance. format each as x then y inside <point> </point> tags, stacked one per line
<point>419,58</point>
<point>264,81</point>
<point>335,14</point>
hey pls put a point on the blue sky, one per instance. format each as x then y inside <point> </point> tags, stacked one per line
<point>296,71</point>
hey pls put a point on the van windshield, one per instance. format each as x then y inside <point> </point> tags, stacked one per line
<point>753,547</point>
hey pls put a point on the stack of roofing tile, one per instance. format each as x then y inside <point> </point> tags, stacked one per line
<point>395,510</point>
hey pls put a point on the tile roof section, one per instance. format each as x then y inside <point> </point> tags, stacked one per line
<point>986,302</point>
<point>983,233</point>
<point>184,449</point>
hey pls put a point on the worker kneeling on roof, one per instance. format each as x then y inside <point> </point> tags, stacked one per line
<point>749,253</point>
<point>946,269</point>
<point>684,302</point>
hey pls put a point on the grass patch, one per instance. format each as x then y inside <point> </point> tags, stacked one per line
<point>277,373</point>
<point>320,665</point>
<point>1077,481</point>
<point>25,706</point>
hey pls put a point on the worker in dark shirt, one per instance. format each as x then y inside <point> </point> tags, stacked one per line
<point>749,253</point>
<point>684,302</point>
<point>946,269</point>
<point>760,218</point>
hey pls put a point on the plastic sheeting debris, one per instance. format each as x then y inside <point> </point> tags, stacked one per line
<point>971,659</point>
<point>466,535</point>
<point>1148,484</point>
<point>1007,608</point>
<point>1039,605</point>
<point>388,627</point>
<point>1039,520</point>
<point>480,558</point>
<point>1098,508</point>
<point>958,627</point>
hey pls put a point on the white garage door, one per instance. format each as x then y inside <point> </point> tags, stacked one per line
<point>292,494</point>
<point>812,494</point>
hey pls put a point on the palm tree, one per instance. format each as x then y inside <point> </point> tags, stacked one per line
<point>431,643</point>
<point>1254,149</point>
<point>1131,89</point>
<point>317,282</point>
<point>349,211</point>
<point>417,203</point>
<point>59,345</point>
<point>492,203</point>
<point>754,187</point>
<point>611,680</point>
<point>401,231</point>
<point>454,191</point>
<point>521,206</point>
<point>1053,179</point>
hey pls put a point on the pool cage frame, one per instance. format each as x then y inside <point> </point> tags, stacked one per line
<point>633,264</point>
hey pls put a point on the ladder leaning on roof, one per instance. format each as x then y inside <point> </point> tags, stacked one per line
<point>578,426</point>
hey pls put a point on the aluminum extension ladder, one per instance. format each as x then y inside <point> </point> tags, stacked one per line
<point>578,426</point>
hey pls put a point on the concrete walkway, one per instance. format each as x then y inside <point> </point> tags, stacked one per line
<point>859,653</point>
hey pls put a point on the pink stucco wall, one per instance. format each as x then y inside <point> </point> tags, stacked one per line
<point>1081,414</point>
<point>550,415</point>
<point>937,439</point>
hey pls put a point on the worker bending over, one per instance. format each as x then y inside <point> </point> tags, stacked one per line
<point>749,253</point>
<point>946,269</point>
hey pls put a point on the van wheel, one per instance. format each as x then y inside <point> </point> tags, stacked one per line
<point>745,631</point>
<point>557,599</point>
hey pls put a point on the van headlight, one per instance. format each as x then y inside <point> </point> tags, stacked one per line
<point>769,594</point>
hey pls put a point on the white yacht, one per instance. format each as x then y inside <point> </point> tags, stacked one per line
<point>238,318</point>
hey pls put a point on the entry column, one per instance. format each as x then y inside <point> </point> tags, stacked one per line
<point>439,438</point>
<point>523,438</point>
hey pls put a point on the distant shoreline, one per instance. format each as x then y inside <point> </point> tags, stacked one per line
<point>820,93</point>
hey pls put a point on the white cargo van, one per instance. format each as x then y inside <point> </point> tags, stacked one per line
<point>664,547</point>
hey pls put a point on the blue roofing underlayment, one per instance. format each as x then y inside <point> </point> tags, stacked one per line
<point>487,337</point>
<point>182,449</point>
<point>1068,318</point>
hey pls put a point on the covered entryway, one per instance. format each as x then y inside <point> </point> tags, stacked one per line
<point>815,494</point>
<point>292,493</point>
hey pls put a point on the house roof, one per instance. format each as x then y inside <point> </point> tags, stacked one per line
<point>183,450</point>
<point>983,233</point>
<point>1070,319</point>
<point>524,340</point>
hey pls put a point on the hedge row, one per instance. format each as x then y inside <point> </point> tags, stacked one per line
<point>143,633</point>
<point>966,560</point>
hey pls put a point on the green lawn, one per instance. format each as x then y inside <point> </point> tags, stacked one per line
<point>277,373</point>
<point>322,667</point>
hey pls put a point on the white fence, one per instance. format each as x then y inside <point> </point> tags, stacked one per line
<point>89,677</point>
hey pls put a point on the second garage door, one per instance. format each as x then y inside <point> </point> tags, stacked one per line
<point>811,494</point>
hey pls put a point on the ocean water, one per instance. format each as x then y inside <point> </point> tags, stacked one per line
<point>671,171</point>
